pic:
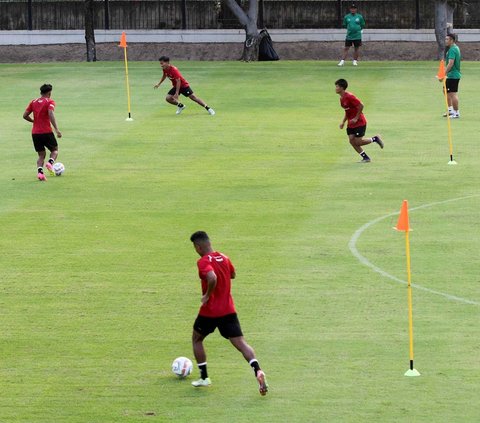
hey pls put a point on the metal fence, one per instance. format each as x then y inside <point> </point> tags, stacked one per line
<point>213,14</point>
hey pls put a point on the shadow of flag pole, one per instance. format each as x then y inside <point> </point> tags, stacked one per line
<point>442,76</point>
<point>404,225</point>
<point>123,44</point>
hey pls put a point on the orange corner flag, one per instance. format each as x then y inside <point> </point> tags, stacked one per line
<point>123,40</point>
<point>403,224</point>
<point>441,70</point>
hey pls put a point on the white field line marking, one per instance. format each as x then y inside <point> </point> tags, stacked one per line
<point>362,259</point>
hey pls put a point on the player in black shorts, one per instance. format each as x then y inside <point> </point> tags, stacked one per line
<point>354,23</point>
<point>218,310</point>
<point>453,58</point>
<point>42,134</point>
<point>180,86</point>
<point>356,121</point>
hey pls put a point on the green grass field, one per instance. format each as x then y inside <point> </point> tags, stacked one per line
<point>99,285</point>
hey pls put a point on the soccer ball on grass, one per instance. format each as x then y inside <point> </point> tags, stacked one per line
<point>182,366</point>
<point>58,168</point>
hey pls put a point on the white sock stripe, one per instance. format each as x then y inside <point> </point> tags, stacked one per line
<point>252,361</point>
<point>201,364</point>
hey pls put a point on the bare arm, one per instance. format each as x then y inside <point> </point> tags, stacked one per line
<point>51,115</point>
<point>342,124</point>
<point>211,284</point>
<point>26,116</point>
<point>360,110</point>
<point>160,83</point>
<point>177,87</point>
<point>450,64</point>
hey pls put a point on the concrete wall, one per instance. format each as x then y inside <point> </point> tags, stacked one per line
<point>222,36</point>
<point>215,14</point>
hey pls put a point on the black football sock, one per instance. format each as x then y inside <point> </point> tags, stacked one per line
<point>364,155</point>
<point>40,170</point>
<point>255,365</point>
<point>206,107</point>
<point>51,161</point>
<point>203,370</point>
<point>180,105</point>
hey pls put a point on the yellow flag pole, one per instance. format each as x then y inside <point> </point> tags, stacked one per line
<point>123,44</point>
<point>410,305</point>
<point>128,84</point>
<point>404,225</point>
<point>449,125</point>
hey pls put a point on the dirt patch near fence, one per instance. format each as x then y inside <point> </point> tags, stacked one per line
<point>379,50</point>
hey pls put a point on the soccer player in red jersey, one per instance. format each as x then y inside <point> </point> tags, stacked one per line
<point>218,310</point>
<point>357,124</point>
<point>42,135</point>
<point>180,86</point>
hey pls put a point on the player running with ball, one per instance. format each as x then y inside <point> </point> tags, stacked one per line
<point>218,310</point>
<point>357,124</point>
<point>42,135</point>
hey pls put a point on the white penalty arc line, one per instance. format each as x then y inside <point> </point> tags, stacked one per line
<point>352,245</point>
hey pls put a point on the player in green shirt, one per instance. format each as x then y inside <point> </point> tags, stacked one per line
<point>354,23</point>
<point>452,58</point>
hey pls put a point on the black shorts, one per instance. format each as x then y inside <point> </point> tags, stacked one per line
<point>452,85</point>
<point>355,43</point>
<point>40,141</point>
<point>187,91</point>
<point>359,131</point>
<point>228,325</point>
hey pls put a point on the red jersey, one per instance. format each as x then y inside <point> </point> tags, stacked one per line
<point>351,104</point>
<point>220,302</point>
<point>41,120</point>
<point>173,74</point>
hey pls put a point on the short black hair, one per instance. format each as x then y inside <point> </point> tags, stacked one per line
<point>342,83</point>
<point>46,88</point>
<point>199,236</point>
<point>452,36</point>
<point>353,6</point>
<point>164,59</point>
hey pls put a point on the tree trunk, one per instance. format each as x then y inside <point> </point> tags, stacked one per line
<point>250,46</point>
<point>450,10</point>
<point>249,21</point>
<point>90,31</point>
<point>440,26</point>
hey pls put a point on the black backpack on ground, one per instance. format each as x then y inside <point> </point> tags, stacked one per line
<point>266,52</point>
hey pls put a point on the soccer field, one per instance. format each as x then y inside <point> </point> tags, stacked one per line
<point>99,285</point>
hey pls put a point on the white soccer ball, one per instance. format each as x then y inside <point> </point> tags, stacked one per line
<point>58,168</point>
<point>182,366</point>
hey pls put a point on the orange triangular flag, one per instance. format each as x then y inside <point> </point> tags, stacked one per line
<point>403,224</point>
<point>441,70</point>
<point>123,40</point>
